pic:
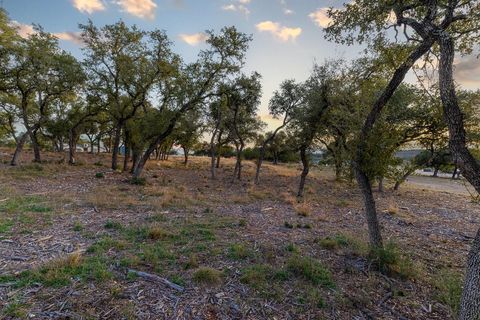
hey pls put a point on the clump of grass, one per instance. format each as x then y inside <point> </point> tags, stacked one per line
<point>334,243</point>
<point>257,275</point>
<point>449,289</point>
<point>77,226</point>
<point>98,164</point>
<point>139,181</point>
<point>390,260</point>
<point>207,276</point>
<point>393,209</point>
<point>192,262</point>
<point>303,210</point>
<point>157,233</point>
<point>311,270</point>
<point>291,247</point>
<point>113,225</point>
<point>242,223</point>
<point>99,175</point>
<point>15,310</point>
<point>238,251</point>
<point>311,297</point>
<point>288,225</point>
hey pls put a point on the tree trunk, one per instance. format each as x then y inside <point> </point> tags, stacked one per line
<point>185,155</point>
<point>435,172</point>
<point>374,232</point>
<point>275,157</point>
<point>361,150</point>
<point>72,146</point>
<point>126,158</point>
<point>306,169</point>
<point>18,149</point>
<point>36,147</point>
<point>455,170</point>
<point>470,302</point>
<point>259,164</point>
<point>116,145</point>
<point>381,188</point>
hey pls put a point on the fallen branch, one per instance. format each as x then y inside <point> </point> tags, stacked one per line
<point>152,277</point>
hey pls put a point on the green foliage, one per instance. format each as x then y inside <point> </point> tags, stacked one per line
<point>139,181</point>
<point>238,251</point>
<point>99,175</point>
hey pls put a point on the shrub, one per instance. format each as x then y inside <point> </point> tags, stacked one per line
<point>114,225</point>
<point>99,175</point>
<point>207,276</point>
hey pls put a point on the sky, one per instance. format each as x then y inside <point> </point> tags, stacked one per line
<point>287,35</point>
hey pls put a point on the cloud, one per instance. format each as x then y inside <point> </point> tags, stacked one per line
<point>467,70</point>
<point>24,30</point>
<point>320,17</point>
<point>193,39</point>
<point>140,8</point>
<point>74,37</point>
<point>280,32</point>
<point>241,6</point>
<point>287,11</point>
<point>88,6</point>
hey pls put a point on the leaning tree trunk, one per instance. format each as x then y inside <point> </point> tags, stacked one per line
<point>470,302</point>
<point>362,178</point>
<point>306,169</point>
<point>126,157</point>
<point>18,149</point>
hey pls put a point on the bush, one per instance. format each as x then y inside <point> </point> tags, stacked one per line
<point>238,251</point>
<point>99,175</point>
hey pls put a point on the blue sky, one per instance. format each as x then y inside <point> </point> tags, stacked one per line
<point>288,37</point>
<point>288,34</point>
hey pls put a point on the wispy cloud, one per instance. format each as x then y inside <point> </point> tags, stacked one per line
<point>193,39</point>
<point>88,6</point>
<point>24,30</point>
<point>320,17</point>
<point>140,8</point>
<point>280,32</point>
<point>286,10</point>
<point>239,6</point>
<point>74,37</point>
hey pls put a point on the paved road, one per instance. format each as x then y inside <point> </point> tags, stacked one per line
<point>440,184</point>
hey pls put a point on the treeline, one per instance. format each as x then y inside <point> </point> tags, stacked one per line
<point>132,88</point>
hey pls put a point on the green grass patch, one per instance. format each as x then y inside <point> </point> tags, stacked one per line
<point>239,251</point>
<point>208,276</point>
<point>449,286</point>
<point>311,270</point>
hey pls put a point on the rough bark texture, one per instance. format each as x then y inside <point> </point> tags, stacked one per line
<point>18,149</point>
<point>116,145</point>
<point>36,147</point>
<point>470,303</point>
<point>362,178</point>
<point>306,169</point>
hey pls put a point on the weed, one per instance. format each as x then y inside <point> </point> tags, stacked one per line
<point>99,175</point>
<point>288,225</point>
<point>291,247</point>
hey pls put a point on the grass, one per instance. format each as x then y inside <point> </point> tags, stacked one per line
<point>338,241</point>
<point>311,270</point>
<point>113,225</point>
<point>61,272</point>
<point>448,285</point>
<point>208,276</point>
<point>238,251</point>
<point>391,260</point>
